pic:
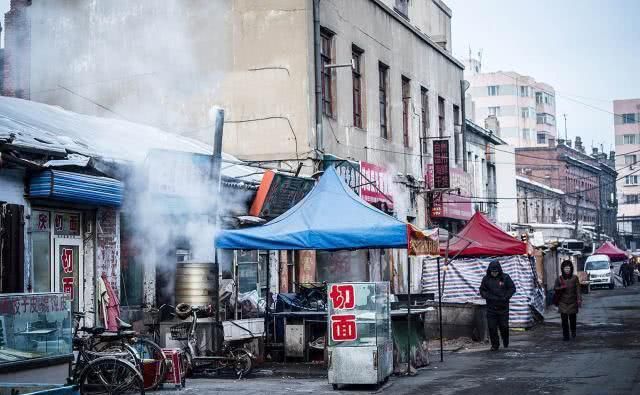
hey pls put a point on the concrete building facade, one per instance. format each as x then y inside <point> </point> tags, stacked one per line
<point>627,135</point>
<point>481,164</point>
<point>538,203</point>
<point>524,107</point>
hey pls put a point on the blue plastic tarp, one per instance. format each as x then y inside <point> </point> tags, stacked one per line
<point>330,217</point>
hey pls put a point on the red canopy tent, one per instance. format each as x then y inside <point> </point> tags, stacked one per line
<point>482,238</point>
<point>613,252</point>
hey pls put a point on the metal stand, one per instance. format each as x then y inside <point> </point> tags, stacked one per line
<point>440,311</point>
<point>408,314</point>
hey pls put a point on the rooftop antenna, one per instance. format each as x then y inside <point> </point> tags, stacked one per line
<point>566,136</point>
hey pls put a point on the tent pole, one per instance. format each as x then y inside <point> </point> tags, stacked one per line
<point>440,312</point>
<point>408,314</point>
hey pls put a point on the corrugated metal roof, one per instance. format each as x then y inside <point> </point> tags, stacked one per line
<point>31,126</point>
<point>76,188</point>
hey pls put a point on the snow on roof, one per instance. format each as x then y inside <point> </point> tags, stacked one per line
<point>540,185</point>
<point>36,126</point>
<point>583,163</point>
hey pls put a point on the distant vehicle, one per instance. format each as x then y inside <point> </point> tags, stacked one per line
<point>600,271</point>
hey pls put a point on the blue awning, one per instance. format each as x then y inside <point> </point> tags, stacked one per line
<point>76,188</point>
<point>330,217</point>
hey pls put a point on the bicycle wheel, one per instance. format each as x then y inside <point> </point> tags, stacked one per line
<point>243,365</point>
<point>110,376</point>
<point>124,350</point>
<point>153,360</point>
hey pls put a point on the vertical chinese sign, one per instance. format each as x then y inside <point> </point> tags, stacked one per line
<point>67,263</point>
<point>343,326</point>
<point>441,164</point>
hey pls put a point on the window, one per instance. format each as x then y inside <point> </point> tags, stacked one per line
<point>356,76</point>
<point>631,180</point>
<point>549,119</point>
<point>541,138</point>
<point>548,99</point>
<point>524,91</point>
<point>440,117</point>
<point>629,118</point>
<point>546,119</point>
<point>402,7</point>
<point>630,159</point>
<point>631,199</point>
<point>383,72</point>
<point>456,115</point>
<point>538,97</point>
<point>629,139</point>
<point>525,134</point>
<point>406,102</point>
<point>494,111</point>
<point>424,116</point>
<point>493,90</point>
<point>326,48</point>
<point>527,112</point>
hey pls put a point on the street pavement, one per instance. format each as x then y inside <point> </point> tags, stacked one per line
<point>604,359</point>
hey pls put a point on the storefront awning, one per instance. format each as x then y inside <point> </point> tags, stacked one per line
<point>76,188</point>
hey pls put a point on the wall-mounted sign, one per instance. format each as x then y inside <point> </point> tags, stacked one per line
<point>376,188</point>
<point>441,164</point>
<point>278,193</point>
<point>451,204</point>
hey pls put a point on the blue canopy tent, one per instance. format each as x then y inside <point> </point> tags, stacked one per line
<point>330,217</point>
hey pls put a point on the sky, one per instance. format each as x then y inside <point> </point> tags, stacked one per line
<point>588,50</point>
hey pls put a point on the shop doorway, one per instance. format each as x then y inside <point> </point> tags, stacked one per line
<point>57,254</point>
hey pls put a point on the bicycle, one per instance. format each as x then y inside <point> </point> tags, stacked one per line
<point>144,353</point>
<point>238,360</point>
<point>101,373</point>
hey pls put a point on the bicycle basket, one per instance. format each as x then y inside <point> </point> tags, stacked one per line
<point>180,331</point>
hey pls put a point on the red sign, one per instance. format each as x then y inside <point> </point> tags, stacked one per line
<point>343,327</point>
<point>378,194</point>
<point>450,204</point>
<point>342,296</point>
<point>43,221</point>
<point>66,258</point>
<point>441,164</point>
<point>67,286</point>
<point>59,222</point>
<point>74,223</point>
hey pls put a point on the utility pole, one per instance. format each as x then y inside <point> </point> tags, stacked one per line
<point>575,229</point>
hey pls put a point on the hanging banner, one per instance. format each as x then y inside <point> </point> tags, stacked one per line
<point>422,242</point>
<point>441,164</point>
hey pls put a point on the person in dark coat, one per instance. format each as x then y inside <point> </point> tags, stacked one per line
<point>497,288</point>
<point>625,273</point>
<point>569,298</point>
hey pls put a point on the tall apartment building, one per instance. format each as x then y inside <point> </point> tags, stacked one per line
<point>627,132</point>
<point>525,108</point>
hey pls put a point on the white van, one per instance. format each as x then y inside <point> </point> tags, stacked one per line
<point>600,271</point>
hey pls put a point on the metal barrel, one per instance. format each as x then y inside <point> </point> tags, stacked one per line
<point>194,283</point>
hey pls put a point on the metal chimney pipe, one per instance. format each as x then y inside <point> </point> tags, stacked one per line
<point>216,164</point>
